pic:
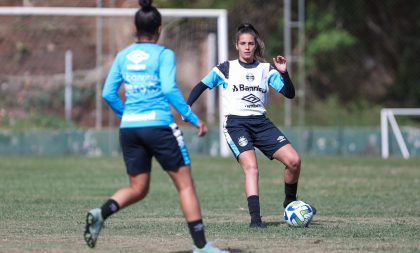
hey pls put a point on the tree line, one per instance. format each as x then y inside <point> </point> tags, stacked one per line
<point>360,50</point>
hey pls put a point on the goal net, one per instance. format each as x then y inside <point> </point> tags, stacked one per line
<point>55,59</point>
<point>388,118</point>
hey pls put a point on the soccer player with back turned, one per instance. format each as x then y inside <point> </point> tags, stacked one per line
<point>147,127</point>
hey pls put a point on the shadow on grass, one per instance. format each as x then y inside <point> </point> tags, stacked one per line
<point>231,250</point>
<point>276,224</point>
<point>272,223</point>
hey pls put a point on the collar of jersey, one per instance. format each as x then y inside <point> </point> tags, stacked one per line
<point>248,65</point>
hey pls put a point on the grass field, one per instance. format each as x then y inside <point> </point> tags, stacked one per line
<point>364,204</point>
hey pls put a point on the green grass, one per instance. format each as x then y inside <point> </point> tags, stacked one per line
<point>365,204</point>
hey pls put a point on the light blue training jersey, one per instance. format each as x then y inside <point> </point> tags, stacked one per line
<point>148,72</point>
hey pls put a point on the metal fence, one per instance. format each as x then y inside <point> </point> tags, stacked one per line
<point>308,141</point>
<point>35,71</point>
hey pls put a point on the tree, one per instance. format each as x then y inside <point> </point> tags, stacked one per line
<point>364,50</point>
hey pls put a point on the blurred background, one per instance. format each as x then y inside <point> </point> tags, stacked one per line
<point>348,60</point>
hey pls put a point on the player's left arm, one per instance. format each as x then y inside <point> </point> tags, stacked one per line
<point>170,89</point>
<point>280,79</point>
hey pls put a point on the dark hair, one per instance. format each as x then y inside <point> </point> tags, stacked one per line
<point>248,28</point>
<point>147,19</point>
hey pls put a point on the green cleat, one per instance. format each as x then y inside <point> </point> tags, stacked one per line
<point>94,224</point>
<point>209,248</point>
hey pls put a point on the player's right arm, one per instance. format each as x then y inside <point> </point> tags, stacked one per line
<point>111,87</point>
<point>172,93</point>
<point>217,76</point>
<point>167,73</point>
<point>202,128</point>
<point>196,93</point>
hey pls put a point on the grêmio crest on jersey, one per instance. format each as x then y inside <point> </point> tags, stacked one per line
<point>245,91</point>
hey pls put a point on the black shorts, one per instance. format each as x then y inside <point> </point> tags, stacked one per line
<point>166,143</point>
<point>243,133</point>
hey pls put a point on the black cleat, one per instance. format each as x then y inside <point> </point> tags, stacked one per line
<point>313,209</point>
<point>257,223</point>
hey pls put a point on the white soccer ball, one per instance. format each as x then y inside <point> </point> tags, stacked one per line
<point>298,214</point>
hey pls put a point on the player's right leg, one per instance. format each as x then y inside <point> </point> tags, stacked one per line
<point>248,162</point>
<point>170,151</point>
<point>241,142</point>
<point>209,248</point>
<point>190,207</point>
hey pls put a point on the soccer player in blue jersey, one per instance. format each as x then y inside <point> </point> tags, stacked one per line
<point>246,82</point>
<point>147,127</point>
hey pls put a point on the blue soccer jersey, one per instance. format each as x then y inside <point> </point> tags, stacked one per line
<point>148,72</point>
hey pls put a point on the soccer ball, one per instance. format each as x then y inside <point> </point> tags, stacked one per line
<point>298,214</point>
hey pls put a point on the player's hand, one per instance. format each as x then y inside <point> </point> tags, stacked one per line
<point>280,63</point>
<point>202,129</point>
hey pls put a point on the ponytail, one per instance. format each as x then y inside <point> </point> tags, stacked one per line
<point>146,5</point>
<point>147,19</point>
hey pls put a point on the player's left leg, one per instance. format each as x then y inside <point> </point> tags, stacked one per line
<point>136,191</point>
<point>291,159</point>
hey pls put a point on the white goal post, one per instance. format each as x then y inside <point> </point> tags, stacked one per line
<point>388,115</point>
<point>219,14</point>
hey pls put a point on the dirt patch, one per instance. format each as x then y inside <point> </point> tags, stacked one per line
<point>273,240</point>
